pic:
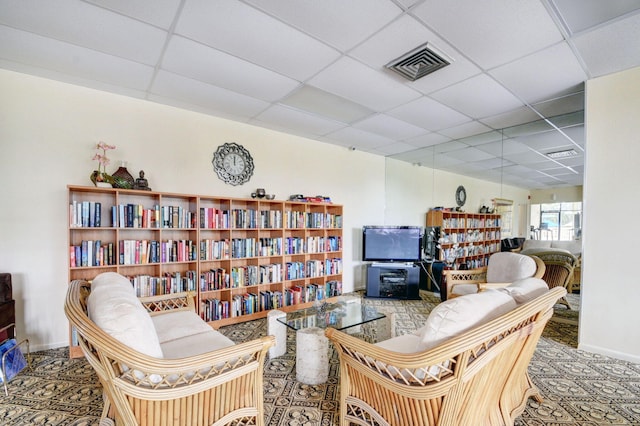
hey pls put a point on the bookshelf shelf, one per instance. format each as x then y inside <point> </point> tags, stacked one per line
<point>234,253</point>
<point>477,236</point>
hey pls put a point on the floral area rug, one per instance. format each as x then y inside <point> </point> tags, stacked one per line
<point>580,388</point>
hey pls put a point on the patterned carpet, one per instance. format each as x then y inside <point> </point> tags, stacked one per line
<point>580,388</point>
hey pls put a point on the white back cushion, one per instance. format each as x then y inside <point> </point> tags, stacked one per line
<point>507,267</point>
<point>114,307</point>
<point>455,316</point>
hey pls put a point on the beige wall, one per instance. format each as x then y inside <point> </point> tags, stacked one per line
<point>568,195</point>
<point>610,319</point>
<point>48,132</point>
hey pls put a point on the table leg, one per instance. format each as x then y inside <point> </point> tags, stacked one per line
<point>312,356</point>
<point>279,331</point>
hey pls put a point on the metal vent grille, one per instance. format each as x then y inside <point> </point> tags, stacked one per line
<point>419,62</point>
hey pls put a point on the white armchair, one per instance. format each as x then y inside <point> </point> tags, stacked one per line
<point>504,268</point>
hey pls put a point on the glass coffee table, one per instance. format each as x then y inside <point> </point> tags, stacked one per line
<point>312,346</point>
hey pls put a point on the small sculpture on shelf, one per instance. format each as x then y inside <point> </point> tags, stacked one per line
<point>141,183</point>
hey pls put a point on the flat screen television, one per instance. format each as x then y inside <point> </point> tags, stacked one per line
<point>392,243</point>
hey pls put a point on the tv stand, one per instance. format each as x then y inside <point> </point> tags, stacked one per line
<point>393,280</point>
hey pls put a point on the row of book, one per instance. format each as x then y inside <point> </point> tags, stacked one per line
<point>471,236</point>
<point>213,218</point>
<point>92,253</point>
<point>88,214</point>
<point>295,219</point>
<point>298,245</point>
<point>169,283</point>
<point>137,252</point>
<point>214,309</point>
<point>460,222</point>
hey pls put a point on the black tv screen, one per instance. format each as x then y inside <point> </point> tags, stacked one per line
<point>392,243</point>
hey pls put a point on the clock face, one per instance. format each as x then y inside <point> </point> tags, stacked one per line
<point>233,163</point>
<point>461,196</point>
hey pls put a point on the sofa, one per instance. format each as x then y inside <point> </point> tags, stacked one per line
<point>158,360</point>
<point>467,365</point>
<point>574,247</point>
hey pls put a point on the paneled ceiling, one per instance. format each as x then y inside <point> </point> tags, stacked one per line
<point>513,92</point>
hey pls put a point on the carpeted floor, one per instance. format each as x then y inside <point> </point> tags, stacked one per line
<point>580,388</point>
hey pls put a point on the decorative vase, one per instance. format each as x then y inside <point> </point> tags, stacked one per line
<point>122,178</point>
<point>100,179</point>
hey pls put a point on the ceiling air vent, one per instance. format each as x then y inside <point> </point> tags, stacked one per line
<point>419,62</point>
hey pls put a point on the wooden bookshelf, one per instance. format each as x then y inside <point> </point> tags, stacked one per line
<point>242,257</point>
<point>477,236</point>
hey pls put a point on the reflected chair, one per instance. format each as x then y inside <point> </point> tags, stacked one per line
<point>559,270</point>
<point>503,269</point>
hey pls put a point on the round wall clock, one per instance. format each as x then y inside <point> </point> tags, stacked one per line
<point>232,163</point>
<point>461,196</point>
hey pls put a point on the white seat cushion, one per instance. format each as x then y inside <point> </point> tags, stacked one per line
<point>195,344</point>
<point>455,316</point>
<point>174,325</point>
<point>406,344</point>
<point>526,290</point>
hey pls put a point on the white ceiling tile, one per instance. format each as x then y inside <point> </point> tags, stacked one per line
<point>545,74</point>
<point>588,13</point>
<point>314,100</point>
<point>427,140</point>
<point>465,130</point>
<point>200,108</point>
<point>428,114</point>
<point>241,30</point>
<point>298,120</point>
<point>499,149</point>
<point>444,160</point>
<point>611,49</point>
<point>491,32</point>
<point>203,63</point>
<point>563,105</point>
<point>45,53</point>
<point>361,84</point>
<point>449,146</point>
<point>479,96</point>
<point>469,154</point>
<point>82,24</point>
<point>518,170</point>
<point>395,148</point>
<point>160,15</point>
<point>482,138</point>
<point>390,127</point>
<point>76,80</point>
<point>527,158</point>
<point>333,20</point>
<point>205,95</point>
<point>520,115</point>
<point>351,136</point>
<point>494,163</point>
<point>545,142</point>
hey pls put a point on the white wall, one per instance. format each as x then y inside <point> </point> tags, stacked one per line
<point>569,194</point>
<point>48,132</point>
<point>610,319</point>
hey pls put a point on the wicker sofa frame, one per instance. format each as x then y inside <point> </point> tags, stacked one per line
<point>221,387</point>
<point>477,378</point>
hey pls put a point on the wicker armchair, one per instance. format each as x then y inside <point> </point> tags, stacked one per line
<point>512,267</point>
<point>476,378</point>
<point>559,270</point>
<point>221,387</point>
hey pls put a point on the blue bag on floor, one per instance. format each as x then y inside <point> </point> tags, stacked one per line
<point>14,361</point>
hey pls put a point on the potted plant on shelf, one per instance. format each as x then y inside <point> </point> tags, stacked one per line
<point>100,177</point>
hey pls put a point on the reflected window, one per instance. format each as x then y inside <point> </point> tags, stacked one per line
<point>556,221</point>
